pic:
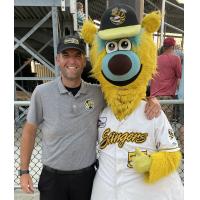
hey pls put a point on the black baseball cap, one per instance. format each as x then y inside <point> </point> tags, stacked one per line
<point>71,42</point>
<point>119,21</point>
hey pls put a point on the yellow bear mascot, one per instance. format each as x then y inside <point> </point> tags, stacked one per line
<point>138,157</point>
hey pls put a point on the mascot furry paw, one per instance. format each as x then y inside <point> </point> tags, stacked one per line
<point>138,157</point>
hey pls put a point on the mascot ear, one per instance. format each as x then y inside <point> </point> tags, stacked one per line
<point>88,31</point>
<point>151,22</point>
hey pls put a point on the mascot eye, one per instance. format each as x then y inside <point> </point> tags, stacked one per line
<point>124,44</point>
<point>111,46</point>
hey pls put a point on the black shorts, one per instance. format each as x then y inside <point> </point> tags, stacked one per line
<point>66,186</point>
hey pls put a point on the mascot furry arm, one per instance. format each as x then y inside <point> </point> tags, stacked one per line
<point>124,96</point>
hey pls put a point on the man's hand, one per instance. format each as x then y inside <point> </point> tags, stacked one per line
<point>26,183</point>
<point>141,162</point>
<point>153,108</point>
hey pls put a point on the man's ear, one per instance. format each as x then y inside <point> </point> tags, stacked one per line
<point>85,61</point>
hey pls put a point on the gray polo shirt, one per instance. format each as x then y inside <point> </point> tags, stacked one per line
<point>68,123</point>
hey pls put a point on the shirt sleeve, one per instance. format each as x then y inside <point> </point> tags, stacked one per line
<point>164,134</point>
<point>35,111</point>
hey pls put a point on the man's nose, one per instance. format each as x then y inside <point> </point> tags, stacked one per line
<point>72,60</point>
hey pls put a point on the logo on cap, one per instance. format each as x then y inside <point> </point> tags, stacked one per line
<point>118,16</point>
<point>71,40</point>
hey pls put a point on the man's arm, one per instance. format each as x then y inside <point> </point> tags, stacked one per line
<point>153,108</point>
<point>27,145</point>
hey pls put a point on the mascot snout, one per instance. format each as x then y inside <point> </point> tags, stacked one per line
<point>121,67</point>
<point>119,64</point>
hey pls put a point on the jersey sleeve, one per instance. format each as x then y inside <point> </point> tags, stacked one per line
<point>164,134</point>
<point>35,111</point>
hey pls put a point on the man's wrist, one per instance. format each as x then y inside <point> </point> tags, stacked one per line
<point>150,97</point>
<point>21,172</point>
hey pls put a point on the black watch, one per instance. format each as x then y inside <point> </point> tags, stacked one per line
<point>21,172</point>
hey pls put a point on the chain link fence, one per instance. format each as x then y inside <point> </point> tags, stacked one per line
<point>36,165</point>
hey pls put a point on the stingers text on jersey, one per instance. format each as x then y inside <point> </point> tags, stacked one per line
<point>112,137</point>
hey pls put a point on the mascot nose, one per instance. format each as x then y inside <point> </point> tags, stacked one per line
<point>119,64</point>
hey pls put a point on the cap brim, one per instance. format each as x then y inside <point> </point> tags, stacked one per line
<point>120,32</point>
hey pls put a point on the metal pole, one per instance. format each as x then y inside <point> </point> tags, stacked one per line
<point>21,88</point>
<point>34,78</point>
<point>73,10</point>
<point>170,101</point>
<point>178,29</point>
<point>141,7</point>
<point>39,57</point>
<point>107,4</point>
<point>25,64</point>
<point>172,4</point>
<point>162,23</point>
<point>86,15</point>
<point>55,37</point>
<point>86,9</point>
<point>149,1</point>
<point>33,30</point>
<point>21,103</point>
<point>15,96</point>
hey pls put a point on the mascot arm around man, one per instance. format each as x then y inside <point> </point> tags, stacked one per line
<point>138,157</point>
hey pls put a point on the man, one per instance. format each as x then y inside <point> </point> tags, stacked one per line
<point>165,83</point>
<point>67,111</point>
<point>80,14</point>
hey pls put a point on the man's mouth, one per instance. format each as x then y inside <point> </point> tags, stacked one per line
<point>71,68</point>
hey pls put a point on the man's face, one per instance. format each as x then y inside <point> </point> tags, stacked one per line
<point>72,63</point>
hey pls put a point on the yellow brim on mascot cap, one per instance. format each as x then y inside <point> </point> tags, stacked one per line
<point>120,32</point>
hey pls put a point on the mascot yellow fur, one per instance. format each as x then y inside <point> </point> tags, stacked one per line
<point>138,157</point>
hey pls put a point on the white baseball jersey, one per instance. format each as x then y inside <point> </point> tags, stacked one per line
<point>115,178</point>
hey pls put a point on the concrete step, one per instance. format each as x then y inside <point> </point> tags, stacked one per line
<point>20,195</point>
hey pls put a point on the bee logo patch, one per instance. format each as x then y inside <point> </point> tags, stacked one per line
<point>118,16</point>
<point>171,134</point>
<point>89,104</point>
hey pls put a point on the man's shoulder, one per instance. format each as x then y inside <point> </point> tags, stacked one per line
<point>46,86</point>
<point>174,56</point>
<point>92,86</point>
<point>94,90</point>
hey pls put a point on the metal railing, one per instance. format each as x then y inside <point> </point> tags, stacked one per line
<point>163,23</point>
<point>36,165</point>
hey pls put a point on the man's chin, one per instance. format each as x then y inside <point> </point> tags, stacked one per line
<point>72,77</point>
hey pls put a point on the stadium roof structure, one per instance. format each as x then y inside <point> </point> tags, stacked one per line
<point>28,13</point>
<point>38,25</point>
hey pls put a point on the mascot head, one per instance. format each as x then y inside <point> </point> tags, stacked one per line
<point>123,56</point>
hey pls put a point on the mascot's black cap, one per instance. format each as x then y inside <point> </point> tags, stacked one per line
<point>119,21</point>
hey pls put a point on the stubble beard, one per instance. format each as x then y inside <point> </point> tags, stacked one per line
<point>70,75</point>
